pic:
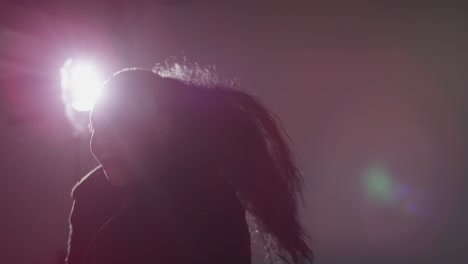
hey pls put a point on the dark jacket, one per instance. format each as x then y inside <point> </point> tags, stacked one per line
<point>107,228</point>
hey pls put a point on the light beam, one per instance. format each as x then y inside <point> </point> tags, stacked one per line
<point>80,81</point>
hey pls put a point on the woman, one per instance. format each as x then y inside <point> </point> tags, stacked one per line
<point>182,165</point>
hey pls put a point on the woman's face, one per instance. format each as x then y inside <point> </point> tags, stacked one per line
<point>124,136</point>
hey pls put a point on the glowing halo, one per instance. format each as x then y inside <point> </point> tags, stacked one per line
<point>80,82</point>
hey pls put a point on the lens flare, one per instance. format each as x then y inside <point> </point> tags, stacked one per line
<point>378,184</point>
<point>80,82</point>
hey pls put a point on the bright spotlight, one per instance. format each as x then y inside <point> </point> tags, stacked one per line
<point>81,81</point>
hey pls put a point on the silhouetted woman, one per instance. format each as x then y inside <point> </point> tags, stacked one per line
<point>182,166</point>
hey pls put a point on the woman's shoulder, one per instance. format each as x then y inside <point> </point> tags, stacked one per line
<point>93,182</point>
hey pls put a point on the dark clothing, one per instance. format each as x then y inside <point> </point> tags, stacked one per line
<point>108,227</point>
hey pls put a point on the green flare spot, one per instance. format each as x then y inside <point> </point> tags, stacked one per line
<point>378,184</point>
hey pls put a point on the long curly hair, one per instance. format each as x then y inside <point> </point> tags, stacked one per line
<point>252,151</point>
<point>234,131</point>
